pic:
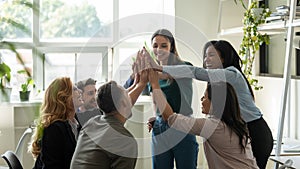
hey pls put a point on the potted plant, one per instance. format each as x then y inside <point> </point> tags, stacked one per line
<point>26,86</point>
<point>252,39</point>
<point>5,76</point>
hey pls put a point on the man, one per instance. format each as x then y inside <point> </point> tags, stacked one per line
<point>89,109</point>
<point>104,142</point>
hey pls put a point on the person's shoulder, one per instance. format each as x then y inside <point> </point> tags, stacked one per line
<point>185,63</point>
<point>58,124</point>
<point>233,69</point>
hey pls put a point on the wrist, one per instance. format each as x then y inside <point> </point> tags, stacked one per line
<point>141,84</point>
<point>155,86</point>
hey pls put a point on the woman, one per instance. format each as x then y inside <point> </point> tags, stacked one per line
<point>169,144</point>
<point>227,142</point>
<point>222,63</point>
<point>53,142</point>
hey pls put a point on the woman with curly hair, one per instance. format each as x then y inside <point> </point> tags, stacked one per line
<point>53,142</point>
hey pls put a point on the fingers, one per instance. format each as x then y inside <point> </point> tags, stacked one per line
<point>141,61</point>
<point>150,123</point>
<point>138,61</point>
<point>152,76</point>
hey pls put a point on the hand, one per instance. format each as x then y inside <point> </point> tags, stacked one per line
<point>150,123</point>
<point>143,77</point>
<point>149,62</point>
<point>153,78</point>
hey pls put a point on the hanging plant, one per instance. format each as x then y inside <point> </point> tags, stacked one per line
<point>252,39</point>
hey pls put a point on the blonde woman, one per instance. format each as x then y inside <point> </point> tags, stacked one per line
<point>53,142</point>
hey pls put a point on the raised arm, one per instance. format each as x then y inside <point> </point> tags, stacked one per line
<point>158,97</point>
<point>141,80</point>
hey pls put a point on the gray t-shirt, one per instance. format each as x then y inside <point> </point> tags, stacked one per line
<point>104,143</point>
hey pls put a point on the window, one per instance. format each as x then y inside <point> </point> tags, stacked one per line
<point>20,14</point>
<point>94,37</point>
<point>76,64</point>
<point>66,20</point>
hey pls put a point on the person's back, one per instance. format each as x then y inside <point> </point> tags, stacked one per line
<point>105,143</point>
<point>223,146</point>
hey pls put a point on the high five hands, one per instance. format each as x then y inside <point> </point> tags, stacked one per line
<point>145,65</point>
<point>144,61</point>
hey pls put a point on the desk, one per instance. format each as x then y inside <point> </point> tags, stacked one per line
<point>282,159</point>
<point>289,147</point>
<point>289,150</point>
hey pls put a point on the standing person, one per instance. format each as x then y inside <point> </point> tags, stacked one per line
<point>104,142</point>
<point>221,62</point>
<point>169,144</point>
<point>227,143</point>
<point>53,142</point>
<point>89,109</point>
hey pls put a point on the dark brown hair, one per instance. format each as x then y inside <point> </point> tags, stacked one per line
<point>174,58</point>
<point>226,108</point>
<point>109,96</point>
<point>229,55</point>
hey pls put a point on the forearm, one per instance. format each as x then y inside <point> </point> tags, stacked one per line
<point>186,124</point>
<point>135,92</point>
<point>130,88</point>
<point>160,102</point>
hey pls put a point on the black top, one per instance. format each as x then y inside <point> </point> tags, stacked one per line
<point>58,145</point>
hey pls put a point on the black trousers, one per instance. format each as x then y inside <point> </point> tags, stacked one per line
<point>261,141</point>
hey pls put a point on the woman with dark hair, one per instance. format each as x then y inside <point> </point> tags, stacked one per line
<point>227,142</point>
<point>169,144</point>
<point>222,63</point>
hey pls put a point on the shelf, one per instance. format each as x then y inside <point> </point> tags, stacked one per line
<point>273,27</point>
<point>296,22</point>
<point>231,31</point>
<point>269,28</point>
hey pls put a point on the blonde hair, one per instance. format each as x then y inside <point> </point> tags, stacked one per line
<point>57,106</point>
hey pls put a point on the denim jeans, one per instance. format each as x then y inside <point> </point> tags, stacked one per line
<point>169,144</point>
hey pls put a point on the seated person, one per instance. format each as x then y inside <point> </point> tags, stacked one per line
<point>104,142</point>
<point>53,141</point>
<point>227,143</point>
<point>89,109</point>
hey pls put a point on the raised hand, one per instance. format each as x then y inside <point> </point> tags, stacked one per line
<point>149,62</point>
<point>153,78</point>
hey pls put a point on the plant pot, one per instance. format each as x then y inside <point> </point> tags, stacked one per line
<point>5,94</point>
<point>24,96</point>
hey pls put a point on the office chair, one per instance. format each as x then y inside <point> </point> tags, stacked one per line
<point>12,160</point>
<point>22,143</point>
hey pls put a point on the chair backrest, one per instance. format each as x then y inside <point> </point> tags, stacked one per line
<point>12,160</point>
<point>22,143</point>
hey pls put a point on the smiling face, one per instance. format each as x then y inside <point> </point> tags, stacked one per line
<point>205,103</point>
<point>88,97</point>
<point>212,59</point>
<point>161,48</point>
